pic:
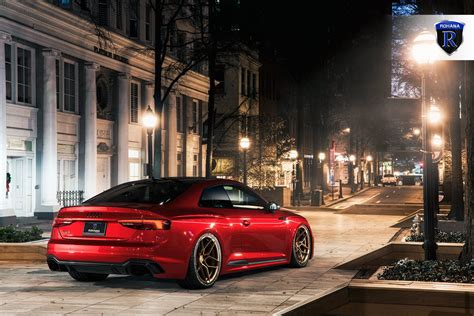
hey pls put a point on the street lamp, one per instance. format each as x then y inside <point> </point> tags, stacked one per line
<point>149,121</point>
<point>245,145</point>
<point>294,157</point>
<point>369,159</point>
<point>352,158</point>
<point>434,114</point>
<point>416,131</point>
<point>424,54</point>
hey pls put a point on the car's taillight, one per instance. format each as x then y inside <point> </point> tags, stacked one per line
<point>58,222</point>
<point>146,224</point>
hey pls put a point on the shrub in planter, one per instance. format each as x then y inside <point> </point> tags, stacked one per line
<point>11,234</point>
<point>430,271</point>
<point>449,237</point>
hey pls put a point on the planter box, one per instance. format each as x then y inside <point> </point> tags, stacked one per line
<point>30,251</point>
<point>279,195</point>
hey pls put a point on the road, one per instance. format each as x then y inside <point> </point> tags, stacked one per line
<point>405,195</point>
<point>34,290</point>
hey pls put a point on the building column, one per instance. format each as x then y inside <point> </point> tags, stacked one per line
<point>122,127</point>
<point>171,140</point>
<point>90,126</point>
<point>7,216</point>
<point>49,163</point>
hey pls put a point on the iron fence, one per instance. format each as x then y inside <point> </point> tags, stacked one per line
<point>70,198</point>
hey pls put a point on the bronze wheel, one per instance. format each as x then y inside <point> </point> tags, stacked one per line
<point>301,247</point>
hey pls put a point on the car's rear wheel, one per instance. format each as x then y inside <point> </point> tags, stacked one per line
<point>204,264</point>
<point>87,277</point>
<point>301,247</point>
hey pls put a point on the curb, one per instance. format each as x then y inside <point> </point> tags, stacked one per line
<point>348,197</point>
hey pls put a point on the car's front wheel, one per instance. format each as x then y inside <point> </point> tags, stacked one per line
<point>301,248</point>
<point>204,264</point>
<point>87,277</point>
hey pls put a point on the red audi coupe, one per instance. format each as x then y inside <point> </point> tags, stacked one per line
<point>188,229</point>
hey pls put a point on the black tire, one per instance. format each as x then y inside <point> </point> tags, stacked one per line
<point>87,277</point>
<point>296,260</point>
<point>195,279</point>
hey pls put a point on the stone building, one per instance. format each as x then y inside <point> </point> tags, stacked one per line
<point>71,108</point>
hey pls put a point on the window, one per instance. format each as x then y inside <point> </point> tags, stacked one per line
<point>8,71</point>
<point>134,164</point>
<point>103,18</point>
<point>249,81</point>
<point>133,103</point>
<point>195,117</point>
<point>242,81</point>
<point>148,23</point>
<point>172,34</point>
<point>157,192</point>
<point>181,45</point>
<point>66,85</point>
<point>24,75</point>
<point>134,14</point>
<point>220,77</point>
<point>254,85</point>
<point>179,164</point>
<point>241,198</point>
<point>118,14</point>
<point>58,84</point>
<point>179,115</point>
<point>69,87</point>
<point>195,165</point>
<point>67,175</point>
<point>215,197</point>
<point>84,4</point>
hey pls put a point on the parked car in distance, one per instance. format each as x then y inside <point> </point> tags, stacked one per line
<point>389,179</point>
<point>189,229</point>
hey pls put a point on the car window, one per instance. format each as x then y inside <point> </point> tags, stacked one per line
<point>215,197</point>
<point>148,192</point>
<point>241,198</point>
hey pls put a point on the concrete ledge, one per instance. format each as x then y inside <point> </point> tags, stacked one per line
<point>391,252</point>
<point>8,220</point>
<point>31,251</point>
<point>365,297</point>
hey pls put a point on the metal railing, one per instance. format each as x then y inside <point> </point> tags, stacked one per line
<point>70,198</point>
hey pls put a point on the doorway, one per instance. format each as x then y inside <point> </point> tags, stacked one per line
<point>20,197</point>
<point>103,174</point>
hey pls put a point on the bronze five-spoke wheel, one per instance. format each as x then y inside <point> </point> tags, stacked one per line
<point>205,263</point>
<point>301,247</point>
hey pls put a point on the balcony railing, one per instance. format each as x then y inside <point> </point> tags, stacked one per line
<point>70,198</point>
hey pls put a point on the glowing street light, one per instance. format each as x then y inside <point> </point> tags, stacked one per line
<point>416,131</point>
<point>434,114</point>
<point>352,158</point>
<point>424,48</point>
<point>149,121</point>
<point>321,156</point>
<point>293,154</point>
<point>437,141</point>
<point>245,145</point>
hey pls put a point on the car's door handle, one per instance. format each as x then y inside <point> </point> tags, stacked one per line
<point>246,222</point>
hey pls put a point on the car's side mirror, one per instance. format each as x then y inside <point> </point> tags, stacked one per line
<point>272,207</point>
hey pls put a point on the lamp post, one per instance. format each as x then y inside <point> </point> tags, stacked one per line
<point>322,157</point>
<point>245,145</point>
<point>293,157</point>
<point>149,122</point>
<point>352,158</point>
<point>369,161</point>
<point>423,48</point>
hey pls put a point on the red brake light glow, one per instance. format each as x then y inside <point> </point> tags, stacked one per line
<point>146,224</point>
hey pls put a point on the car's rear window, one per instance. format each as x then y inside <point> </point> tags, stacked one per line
<point>148,192</point>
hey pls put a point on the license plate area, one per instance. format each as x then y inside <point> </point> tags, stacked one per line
<point>94,228</point>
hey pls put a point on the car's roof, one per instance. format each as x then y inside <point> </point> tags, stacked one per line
<point>188,180</point>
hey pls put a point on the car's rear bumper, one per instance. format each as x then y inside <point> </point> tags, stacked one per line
<point>115,259</point>
<point>130,267</point>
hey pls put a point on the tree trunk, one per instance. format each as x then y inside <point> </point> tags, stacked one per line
<point>157,94</point>
<point>467,252</point>
<point>212,88</point>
